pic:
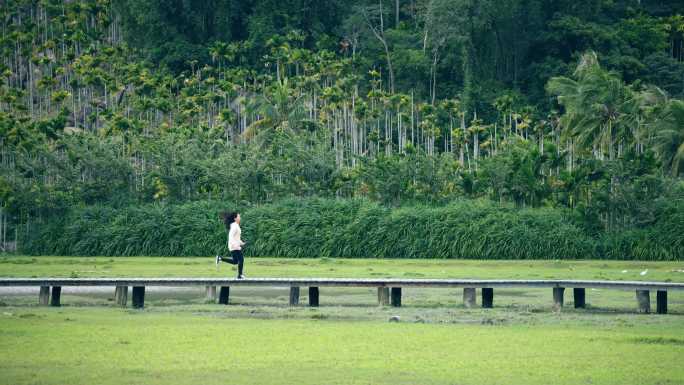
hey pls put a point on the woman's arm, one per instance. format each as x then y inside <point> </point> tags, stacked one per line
<point>234,237</point>
<point>228,237</point>
<point>239,235</point>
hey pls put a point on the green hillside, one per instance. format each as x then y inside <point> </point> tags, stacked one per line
<point>570,110</point>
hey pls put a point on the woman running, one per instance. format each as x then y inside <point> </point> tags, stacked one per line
<point>232,223</point>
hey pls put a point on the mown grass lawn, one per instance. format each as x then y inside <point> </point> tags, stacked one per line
<point>180,338</point>
<point>111,346</point>
<point>24,266</point>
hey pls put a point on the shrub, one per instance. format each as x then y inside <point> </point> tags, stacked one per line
<point>318,227</point>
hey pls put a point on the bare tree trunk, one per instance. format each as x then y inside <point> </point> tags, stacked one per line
<point>434,75</point>
<point>380,35</point>
<point>412,120</point>
<point>461,154</point>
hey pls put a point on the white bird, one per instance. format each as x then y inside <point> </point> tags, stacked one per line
<point>644,272</point>
<point>624,271</point>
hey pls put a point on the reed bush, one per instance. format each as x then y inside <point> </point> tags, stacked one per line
<point>317,227</point>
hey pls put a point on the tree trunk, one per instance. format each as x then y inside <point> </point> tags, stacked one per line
<point>380,35</point>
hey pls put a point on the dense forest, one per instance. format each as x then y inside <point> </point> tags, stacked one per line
<point>523,106</point>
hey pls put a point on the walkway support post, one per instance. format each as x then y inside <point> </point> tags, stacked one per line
<point>224,295</point>
<point>56,296</point>
<point>138,297</point>
<point>469,297</point>
<point>294,296</point>
<point>313,296</point>
<point>558,297</point>
<point>44,295</point>
<point>487,297</point>
<point>211,293</point>
<point>121,296</point>
<point>578,296</point>
<point>661,302</point>
<point>643,301</point>
<point>396,296</point>
<point>383,296</point>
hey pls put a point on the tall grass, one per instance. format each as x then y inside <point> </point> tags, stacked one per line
<point>662,240</point>
<point>351,228</point>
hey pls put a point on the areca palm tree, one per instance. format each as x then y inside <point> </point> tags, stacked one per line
<point>449,110</point>
<point>476,129</point>
<point>399,103</point>
<point>219,51</point>
<point>504,105</point>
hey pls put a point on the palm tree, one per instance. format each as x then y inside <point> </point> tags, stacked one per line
<point>598,106</point>
<point>218,52</point>
<point>669,138</point>
<point>281,108</point>
<point>458,138</point>
<point>399,102</point>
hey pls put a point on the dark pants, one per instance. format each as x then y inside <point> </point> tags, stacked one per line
<point>236,258</point>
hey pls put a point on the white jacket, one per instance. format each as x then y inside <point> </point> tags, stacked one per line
<point>234,241</point>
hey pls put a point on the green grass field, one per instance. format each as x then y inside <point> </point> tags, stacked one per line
<point>22,266</point>
<point>108,346</point>
<point>181,338</point>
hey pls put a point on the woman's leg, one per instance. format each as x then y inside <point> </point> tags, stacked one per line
<point>232,260</point>
<point>241,262</point>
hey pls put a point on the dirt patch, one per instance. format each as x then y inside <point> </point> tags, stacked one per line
<point>658,341</point>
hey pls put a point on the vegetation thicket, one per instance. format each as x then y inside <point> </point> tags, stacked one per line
<point>459,128</point>
<point>351,228</point>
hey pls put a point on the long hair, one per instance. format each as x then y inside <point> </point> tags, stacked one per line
<point>228,218</point>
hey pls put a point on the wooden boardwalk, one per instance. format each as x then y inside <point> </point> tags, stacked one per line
<point>389,290</point>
